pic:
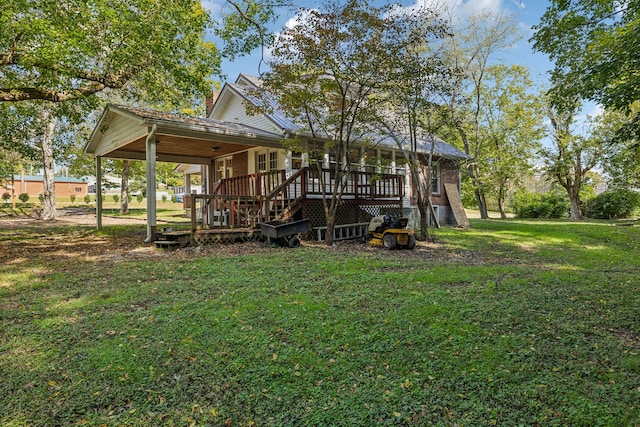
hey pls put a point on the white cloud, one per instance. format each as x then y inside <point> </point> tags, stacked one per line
<point>461,9</point>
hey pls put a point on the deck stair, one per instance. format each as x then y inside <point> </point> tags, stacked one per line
<point>172,239</point>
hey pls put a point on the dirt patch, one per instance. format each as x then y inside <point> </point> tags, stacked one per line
<point>73,236</point>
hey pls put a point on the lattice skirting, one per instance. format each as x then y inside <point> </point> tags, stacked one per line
<point>350,211</point>
<point>225,236</point>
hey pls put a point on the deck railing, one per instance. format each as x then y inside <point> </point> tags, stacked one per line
<point>247,200</point>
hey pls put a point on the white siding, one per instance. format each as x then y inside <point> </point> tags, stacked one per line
<point>232,109</point>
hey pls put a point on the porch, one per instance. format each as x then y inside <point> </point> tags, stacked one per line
<point>240,204</point>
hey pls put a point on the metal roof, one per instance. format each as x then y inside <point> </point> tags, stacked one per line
<point>440,147</point>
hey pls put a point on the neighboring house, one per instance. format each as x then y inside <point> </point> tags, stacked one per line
<point>249,177</point>
<point>34,186</point>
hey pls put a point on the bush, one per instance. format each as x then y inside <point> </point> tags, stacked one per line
<point>40,198</point>
<point>620,203</point>
<point>536,205</point>
<point>72,197</point>
<point>6,197</point>
<point>164,198</point>
<point>140,197</point>
<point>116,198</point>
<point>24,197</point>
<point>87,198</point>
<point>129,198</point>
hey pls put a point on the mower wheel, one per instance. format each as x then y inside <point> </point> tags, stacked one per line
<point>411,244</point>
<point>389,241</point>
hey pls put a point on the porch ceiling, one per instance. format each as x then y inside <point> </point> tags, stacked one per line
<point>122,131</point>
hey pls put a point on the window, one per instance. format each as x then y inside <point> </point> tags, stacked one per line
<point>78,189</point>
<point>267,161</point>
<point>273,160</point>
<point>435,179</point>
<point>261,164</point>
<point>224,168</point>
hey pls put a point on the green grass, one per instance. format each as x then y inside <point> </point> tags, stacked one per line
<point>510,323</point>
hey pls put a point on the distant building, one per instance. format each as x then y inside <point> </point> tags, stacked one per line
<point>33,185</point>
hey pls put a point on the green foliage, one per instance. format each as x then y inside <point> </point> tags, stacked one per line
<point>139,197</point>
<point>40,197</point>
<point>174,199</point>
<point>620,203</point>
<point>164,198</point>
<point>72,198</point>
<point>24,197</point>
<point>536,205</point>
<point>593,45</point>
<point>6,197</point>
<point>116,198</point>
<point>87,198</point>
<point>129,197</point>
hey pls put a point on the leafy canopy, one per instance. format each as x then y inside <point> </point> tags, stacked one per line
<point>58,51</point>
<point>594,44</point>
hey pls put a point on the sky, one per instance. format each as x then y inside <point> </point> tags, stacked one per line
<point>527,12</point>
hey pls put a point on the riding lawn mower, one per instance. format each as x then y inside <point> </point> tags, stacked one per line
<point>390,232</point>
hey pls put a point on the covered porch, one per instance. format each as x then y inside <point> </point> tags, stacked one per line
<point>240,202</point>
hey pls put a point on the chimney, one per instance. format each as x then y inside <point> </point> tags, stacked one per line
<point>210,100</point>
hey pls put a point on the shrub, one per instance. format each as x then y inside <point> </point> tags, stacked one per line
<point>116,198</point>
<point>619,203</point>
<point>536,205</point>
<point>72,197</point>
<point>129,198</point>
<point>87,198</point>
<point>164,198</point>
<point>24,197</point>
<point>6,197</point>
<point>140,197</point>
<point>174,199</point>
<point>40,198</point>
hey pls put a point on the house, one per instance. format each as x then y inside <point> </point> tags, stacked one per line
<point>33,185</point>
<point>248,175</point>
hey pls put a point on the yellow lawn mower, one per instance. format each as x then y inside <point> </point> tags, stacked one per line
<point>390,232</point>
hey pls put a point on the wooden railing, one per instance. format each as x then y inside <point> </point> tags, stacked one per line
<point>247,200</point>
<point>358,185</point>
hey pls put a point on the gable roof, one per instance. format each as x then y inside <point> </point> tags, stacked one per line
<point>121,132</point>
<point>245,84</point>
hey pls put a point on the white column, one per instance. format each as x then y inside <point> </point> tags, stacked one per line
<point>151,185</point>
<point>98,192</point>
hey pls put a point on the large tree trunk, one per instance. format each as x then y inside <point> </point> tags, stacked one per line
<point>503,213</point>
<point>124,188</point>
<point>49,201</point>
<point>574,199</point>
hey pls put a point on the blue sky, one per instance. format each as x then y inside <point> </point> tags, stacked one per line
<point>527,12</point>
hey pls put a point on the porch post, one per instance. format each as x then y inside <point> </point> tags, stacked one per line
<point>187,183</point>
<point>210,182</point>
<point>151,185</point>
<point>98,192</point>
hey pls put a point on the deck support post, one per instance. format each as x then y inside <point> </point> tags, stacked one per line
<point>151,184</point>
<point>99,192</point>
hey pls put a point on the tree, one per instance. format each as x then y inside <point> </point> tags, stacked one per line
<point>622,159</point>
<point>571,155</point>
<point>469,52</point>
<point>594,45</point>
<point>67,53</point>
<point>331,71</point>
<point>511,122</point>
<point>409,110</point>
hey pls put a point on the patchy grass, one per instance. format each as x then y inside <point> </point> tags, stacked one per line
<point>510,323</point>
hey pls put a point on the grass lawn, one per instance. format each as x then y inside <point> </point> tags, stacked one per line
<point>510,323</point>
